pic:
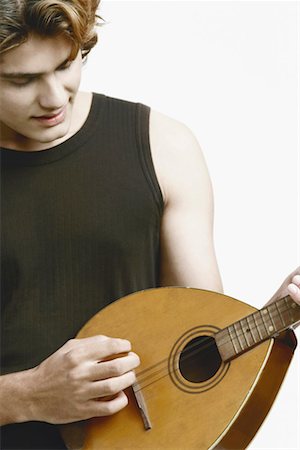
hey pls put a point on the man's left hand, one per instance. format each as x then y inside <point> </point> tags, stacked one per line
<point>290,286</point>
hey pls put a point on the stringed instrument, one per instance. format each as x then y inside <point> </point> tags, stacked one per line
<point>211,367</point>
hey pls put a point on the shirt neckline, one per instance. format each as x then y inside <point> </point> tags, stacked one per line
<point>64,148</point>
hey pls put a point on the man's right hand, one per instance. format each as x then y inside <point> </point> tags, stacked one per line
<point>77,382</point>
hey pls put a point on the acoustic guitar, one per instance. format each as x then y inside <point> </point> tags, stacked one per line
<point>211,367</point>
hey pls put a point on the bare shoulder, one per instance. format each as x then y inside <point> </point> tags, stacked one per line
<point>171,137</point>
<point>177,156</point>
<point>187,249</point>
<point>160,122</point>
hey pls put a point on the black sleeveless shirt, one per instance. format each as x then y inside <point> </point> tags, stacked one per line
<point>80,228</point>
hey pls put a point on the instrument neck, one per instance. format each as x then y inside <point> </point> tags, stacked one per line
<point>250,331</point>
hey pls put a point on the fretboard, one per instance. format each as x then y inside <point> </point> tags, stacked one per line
<point>257,327</point>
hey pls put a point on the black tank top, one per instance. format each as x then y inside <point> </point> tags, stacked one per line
<point>80,228</point>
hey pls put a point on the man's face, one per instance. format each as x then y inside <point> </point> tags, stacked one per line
<point>38,86</point>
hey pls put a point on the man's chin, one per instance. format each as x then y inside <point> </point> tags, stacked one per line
<point>52,136</point>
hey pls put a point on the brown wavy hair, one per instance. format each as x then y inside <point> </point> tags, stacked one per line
<point>75,19</point>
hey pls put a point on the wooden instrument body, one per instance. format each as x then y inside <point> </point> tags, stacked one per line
<point>223,412</point>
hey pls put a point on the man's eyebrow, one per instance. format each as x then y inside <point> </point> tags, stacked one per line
<point>8,75</point>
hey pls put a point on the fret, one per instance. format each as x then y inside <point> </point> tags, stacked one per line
<point>240,335</point>
<point>268,309</point>
<point>284,312</point>
<point>234,340</point>
<point>257,326</point>
<point>275,317</point>
<point>294,309</point>
<point>253,328</point>
<point>247,331</point>
<point>268,327</point>
<point>288,306</point>
<point>287,312</point>
<point>279,313</point>
<point>266,318</point>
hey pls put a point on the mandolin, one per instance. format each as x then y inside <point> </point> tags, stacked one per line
<point>211,367</point>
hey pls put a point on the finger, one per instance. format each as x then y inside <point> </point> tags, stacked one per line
<point>104,348</point>
<point>294,292</point>
<point>114,367</point>
<point>98,347</point>
<point>107,408</point>
<point>111,386</point>
<point>296,280</point>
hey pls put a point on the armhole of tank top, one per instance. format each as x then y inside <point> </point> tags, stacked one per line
<point>144,153</point>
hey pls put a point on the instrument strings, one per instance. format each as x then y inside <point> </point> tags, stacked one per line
<point>160,370</point>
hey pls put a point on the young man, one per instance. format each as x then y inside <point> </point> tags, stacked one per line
<point>100,198</point>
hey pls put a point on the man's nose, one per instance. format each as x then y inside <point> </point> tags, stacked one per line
<point>53,94</point>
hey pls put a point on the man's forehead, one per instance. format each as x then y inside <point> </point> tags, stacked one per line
<point>36,55</point>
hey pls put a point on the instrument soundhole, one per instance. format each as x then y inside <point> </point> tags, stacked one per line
<point>200,359</point>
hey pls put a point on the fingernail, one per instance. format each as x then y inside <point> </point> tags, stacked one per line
<point>292,288</point>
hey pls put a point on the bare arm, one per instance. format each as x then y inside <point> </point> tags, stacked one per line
<point>187,248</point>
<point>14,395</point>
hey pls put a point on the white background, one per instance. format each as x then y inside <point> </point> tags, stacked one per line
<point>229,70</point>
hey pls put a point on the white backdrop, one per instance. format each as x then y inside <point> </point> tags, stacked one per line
<point>229,70</point>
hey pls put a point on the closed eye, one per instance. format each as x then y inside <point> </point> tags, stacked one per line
<point>22,82</point>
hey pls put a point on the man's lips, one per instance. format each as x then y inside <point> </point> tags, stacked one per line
<point>52,119</point>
